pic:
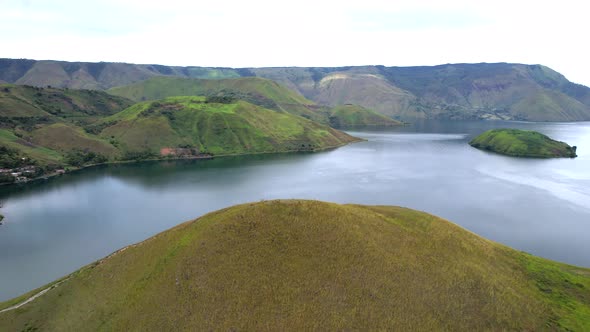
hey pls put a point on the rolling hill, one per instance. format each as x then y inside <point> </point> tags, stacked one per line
<point>53,128</point>
<point>214,126</point>
<point>258,91</point>
<point>44,124</point>
<point>452,91</point>
<point>308,265</point>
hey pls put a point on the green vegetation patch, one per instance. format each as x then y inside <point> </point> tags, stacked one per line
<point>255,90</point>
<point>522,143</point>
<point>28,149</point>
<point>64,138</point>
<point>215,125</point>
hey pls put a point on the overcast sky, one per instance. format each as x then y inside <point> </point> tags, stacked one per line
<point>254,33</point>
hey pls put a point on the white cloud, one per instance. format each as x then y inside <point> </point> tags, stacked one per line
<point>302,33</point>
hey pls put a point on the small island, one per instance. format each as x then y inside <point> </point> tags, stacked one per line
<point>522,143</point>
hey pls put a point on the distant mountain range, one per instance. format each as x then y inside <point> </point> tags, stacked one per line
<point>453,91</point>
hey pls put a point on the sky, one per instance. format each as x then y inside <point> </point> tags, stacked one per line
<point>253,33</point>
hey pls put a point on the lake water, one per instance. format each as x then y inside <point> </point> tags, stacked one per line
<point>538,206</point>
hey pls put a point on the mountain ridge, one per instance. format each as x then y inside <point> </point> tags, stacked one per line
<point>505,91</point>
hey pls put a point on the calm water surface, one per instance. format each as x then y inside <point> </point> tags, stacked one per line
<point>538,206</point>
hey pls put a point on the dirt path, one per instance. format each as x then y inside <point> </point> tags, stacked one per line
<point>16,306</point>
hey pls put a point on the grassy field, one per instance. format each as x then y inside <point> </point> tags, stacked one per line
<point>308,265</point>
<point>354,115</point>
<point>40,153</point>
<point>522,143</point>
<point>65,137</point>
<point>218,128</point>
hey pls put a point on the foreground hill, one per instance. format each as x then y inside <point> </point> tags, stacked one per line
<point>308,265</point>
<point>522,143</point>
<point>214,126</point>
<point>453,91</point>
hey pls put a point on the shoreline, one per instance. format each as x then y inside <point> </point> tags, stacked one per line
<point>208,157</point>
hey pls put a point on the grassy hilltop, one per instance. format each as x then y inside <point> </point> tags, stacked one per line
<point>522,143</point>
<point>308,265</point>
<point>215,125</point>
<point>258,91</point>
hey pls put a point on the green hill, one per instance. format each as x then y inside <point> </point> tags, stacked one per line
<point>308,265</point>
<point>53,128</point>
<point>28,105</point>
<point>522,143</point>
<point>214,125</point>
<point>258,91</point>
<point>354,115</point>
<point>44,125</point>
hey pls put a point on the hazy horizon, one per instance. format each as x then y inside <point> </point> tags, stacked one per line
<point>302,34</point>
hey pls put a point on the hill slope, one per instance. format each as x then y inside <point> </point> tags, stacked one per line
<point>303,265</point>
<point>455,91</point>
<point>522,143</point>
<point>52,128</point>
<point>44,125</point>
<point>215,125</point>
<point>28,105</point>
<point>355,115</point>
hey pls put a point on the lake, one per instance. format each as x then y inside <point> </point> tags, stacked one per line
<point>534,205</point>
